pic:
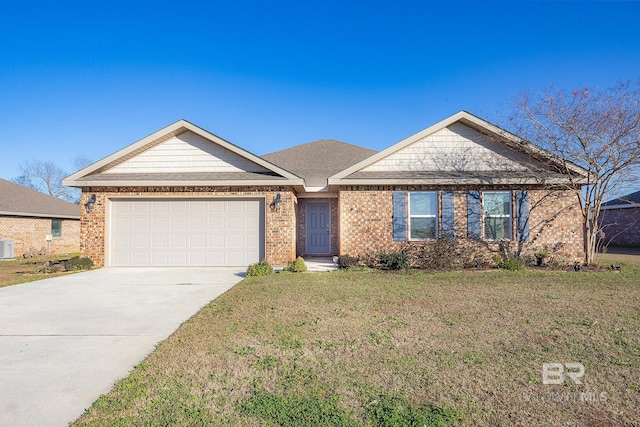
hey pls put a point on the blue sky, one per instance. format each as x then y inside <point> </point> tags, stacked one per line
<point>88,78</point>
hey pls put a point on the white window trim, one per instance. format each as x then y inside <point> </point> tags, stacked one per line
<point>510,216</point>
<point>409,216</point>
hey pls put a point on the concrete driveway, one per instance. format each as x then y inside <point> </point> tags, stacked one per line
<point>65,341</point>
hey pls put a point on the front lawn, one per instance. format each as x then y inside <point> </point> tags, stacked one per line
<point>20,270</point>
<point>369,348</point>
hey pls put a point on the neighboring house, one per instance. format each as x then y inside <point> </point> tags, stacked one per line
<point>620,220</point>
<point>37,222</point>
<point>183,196</point>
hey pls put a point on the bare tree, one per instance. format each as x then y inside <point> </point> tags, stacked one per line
<point>596,129</point>
<point>46,177</point>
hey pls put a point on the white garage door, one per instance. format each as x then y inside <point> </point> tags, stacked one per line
<point>212,232</point>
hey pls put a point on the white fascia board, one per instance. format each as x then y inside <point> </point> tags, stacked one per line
<point>40,215</point>
<point>177,183</point>
<point>447,181</point>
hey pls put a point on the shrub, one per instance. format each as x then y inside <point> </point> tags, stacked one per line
<point>346,262</point>
<point>76,263</point>
<point>510,263</point>
<point>393,260</point>
<point>297,266</point>
<point>262,268</point>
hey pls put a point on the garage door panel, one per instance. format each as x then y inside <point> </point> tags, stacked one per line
<point>140,258</point>
<point>197,224</point>
<point>198,242</point>
<point>159,241</point>
<point>160,224</point>
<point>160,258</point>
<point>179,224</point>
<point>178,241</point>
<point>141,241</point>
<point>142,208</point>
<point>207,232</point>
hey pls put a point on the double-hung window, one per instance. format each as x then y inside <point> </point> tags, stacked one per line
<point>56,228</point>
<point>496,208</point>
<point>423,215</point>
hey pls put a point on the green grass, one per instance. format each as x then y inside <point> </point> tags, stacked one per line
<point>369,349</point>
<point>13,272</point>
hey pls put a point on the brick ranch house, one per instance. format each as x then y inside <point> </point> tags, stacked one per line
<point>37,222</point>
<point>185,197</point>
<point>620,221</point>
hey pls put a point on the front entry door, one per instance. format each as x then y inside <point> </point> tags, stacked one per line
<point>318,241</point>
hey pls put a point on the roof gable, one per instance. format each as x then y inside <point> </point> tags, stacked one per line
<point>187,152</point>
<point>456,147</point>
<point>17,200</point>
<point>182,154</point>
<point>460,149</point>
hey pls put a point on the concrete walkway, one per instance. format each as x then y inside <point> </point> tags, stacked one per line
<point>65,341</point>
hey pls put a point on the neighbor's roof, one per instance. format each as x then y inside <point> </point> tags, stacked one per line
<point>17,200</point>
<point>316,161</point>
<point>630,200</point>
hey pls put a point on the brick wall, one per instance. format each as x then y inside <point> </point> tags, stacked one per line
<point>302,225</point>
<point>366,215</point>
<point>28,232</point>
<point>280,226</point>
<point>621,227</point>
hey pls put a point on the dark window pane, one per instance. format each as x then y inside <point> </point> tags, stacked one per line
<point>423,228</point>
<point>497,228</point>
<point>56,228</point>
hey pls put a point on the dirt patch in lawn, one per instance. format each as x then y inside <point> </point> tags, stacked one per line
<point>463,347</point>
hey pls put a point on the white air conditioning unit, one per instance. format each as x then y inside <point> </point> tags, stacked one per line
<point>6,249</point>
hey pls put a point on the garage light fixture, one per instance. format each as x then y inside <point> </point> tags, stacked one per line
<point>90,203</point>
<point>276,205</point>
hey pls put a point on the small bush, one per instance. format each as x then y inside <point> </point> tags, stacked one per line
<point>297,266</point>
<point>393,260</point>
<point>77,263</point>
<point>510,263</point>
<point>262,268</point>
<point>346,262</point>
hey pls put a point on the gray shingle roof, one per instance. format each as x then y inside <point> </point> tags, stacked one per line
<point>629,199</point>
<point>18,200</point>
<point>316,161</point>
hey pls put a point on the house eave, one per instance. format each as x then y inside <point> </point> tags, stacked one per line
<point>186,183</point>
<point>39,215</point>
<point>621,206</point>
<point>450,181</point>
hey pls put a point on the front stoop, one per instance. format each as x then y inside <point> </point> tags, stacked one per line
<point>316,264</point>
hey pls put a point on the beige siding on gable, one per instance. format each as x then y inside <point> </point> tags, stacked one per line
<point>454,148</point>
<point>186,152</point>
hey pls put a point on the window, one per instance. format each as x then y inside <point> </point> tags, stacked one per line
<point>56,228</point>
<point>496,206</point>
<point>423,215</point>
